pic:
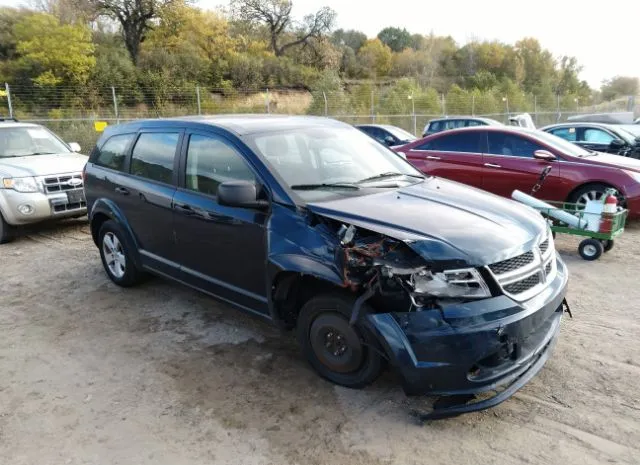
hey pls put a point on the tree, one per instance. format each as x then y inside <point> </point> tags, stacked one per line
<point>135,18</point>
<point>52,53</point>
<point>276,16</point>
<point>349,38</point>
<point>395,38</point>
<point>375,57</point>
<point>620,86</point>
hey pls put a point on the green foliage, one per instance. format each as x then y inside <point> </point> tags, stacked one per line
<point>376,58</point>
<point>395,38</point>
<point>620,86</point>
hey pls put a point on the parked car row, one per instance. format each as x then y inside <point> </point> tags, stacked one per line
<point>610,138</point>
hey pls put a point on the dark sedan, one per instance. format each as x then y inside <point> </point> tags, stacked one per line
<point>608,138</point>
<point>386,134</point>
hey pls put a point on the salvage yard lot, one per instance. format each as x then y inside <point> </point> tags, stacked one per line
<point>160,374</point>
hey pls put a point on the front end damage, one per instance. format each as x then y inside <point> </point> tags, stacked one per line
<point>447,325</point>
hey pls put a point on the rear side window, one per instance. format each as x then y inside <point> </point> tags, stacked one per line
<point>435,126</point>
<point>153,156</point>
<point>569,134</point>
<point>113,153</point>
<point>466,142</point>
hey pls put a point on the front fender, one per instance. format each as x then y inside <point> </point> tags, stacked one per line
<point>305,265</point>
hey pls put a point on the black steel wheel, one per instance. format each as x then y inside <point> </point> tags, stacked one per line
<point>607,245</point>
<point>590,249</point>
<point>344,354</point>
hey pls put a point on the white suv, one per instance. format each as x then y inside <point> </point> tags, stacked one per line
<point>40,177</point>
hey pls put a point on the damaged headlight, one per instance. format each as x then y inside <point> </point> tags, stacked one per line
<point>464,283</point>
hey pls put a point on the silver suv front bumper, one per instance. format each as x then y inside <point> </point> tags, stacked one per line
<point>60,196</point>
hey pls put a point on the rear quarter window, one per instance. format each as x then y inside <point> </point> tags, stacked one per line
<point>113,153</point>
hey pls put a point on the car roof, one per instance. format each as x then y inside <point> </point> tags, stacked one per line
<point>576,124</point>
<point>501,128</point>
<point>373,125</point>
<point>246,123</point>
<point>473,118</point>
<point>16,124</point>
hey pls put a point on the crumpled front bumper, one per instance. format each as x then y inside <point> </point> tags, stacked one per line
<point>471,348</point>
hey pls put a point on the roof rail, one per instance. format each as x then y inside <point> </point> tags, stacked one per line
<point>8,118</point>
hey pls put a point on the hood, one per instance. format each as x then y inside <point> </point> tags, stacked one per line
<point>614,161</point>
<point>443,221</point>
<point>42,165</point>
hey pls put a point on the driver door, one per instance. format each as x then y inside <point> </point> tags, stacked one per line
<point>221,249</point>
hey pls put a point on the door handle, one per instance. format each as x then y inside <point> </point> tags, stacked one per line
<point>492,165</point>
<point>184,209</point>
<point>122,190</point>
<point>431,157</point>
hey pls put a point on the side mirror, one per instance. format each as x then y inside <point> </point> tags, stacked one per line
<point>241,194</point>
<point>544,155</point>
<point>389,141</point>
<point>617,144</point>
<point>75,147</point>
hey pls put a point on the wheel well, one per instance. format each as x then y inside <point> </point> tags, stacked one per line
<point>96,223</point>
<point>588,184</point>
<point>291,291</point>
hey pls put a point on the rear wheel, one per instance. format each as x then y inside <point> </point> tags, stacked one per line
<point>589,192</point>
<point>607,245</point>
<point>339,352</point>
<point>116,256</point>
<point>6,231</point>
<point>590,249</point>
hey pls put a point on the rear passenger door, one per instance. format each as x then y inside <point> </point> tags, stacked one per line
<point>221,249</point>
<point>456,156</point>
<point>146,195</point>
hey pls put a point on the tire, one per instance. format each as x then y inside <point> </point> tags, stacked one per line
<point>6,231</point>
<point>343,354</point>
<point>116,255</point>
<point>586,192</point>
<point>590,249</point>
<point>607,245</point>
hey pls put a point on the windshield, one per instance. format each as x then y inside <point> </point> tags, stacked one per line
<point>561,145</point>
<point>24,141</point>
<point>400,133</point>
<point>314,158</point>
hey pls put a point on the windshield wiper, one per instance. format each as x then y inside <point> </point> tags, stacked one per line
<point>389,174</point>
<point>334,185</point>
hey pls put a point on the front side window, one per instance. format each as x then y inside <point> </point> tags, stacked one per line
<point>569,134</point>
<point>501,143</point>
<point>153,156</point>
<point>113,153</point>
<point>597,136</point>
<point>24,141</point>
<point>464,142</point>
<point>210,162</point>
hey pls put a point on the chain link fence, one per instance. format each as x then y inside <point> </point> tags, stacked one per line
<point>71,112</point>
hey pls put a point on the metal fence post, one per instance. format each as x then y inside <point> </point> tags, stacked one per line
<point>373,108</point>
<point>535,109</point>
<point>115,104</point>
<point>8,91</point>
<point>326,104</point>
<point>444,106</point>
<point>557,108</point>
<point>473,104</point>
<point>198,99</point>
<point>266,97</point>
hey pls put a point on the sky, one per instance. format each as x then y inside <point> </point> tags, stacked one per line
<point>603,36</point>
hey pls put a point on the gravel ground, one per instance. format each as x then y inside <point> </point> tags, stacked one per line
<point>159,374</point>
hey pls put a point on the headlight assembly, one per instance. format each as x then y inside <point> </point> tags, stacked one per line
<point>463,283</point>
<point>27,184</point>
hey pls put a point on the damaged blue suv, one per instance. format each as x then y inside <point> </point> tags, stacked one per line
<point>316,227</point>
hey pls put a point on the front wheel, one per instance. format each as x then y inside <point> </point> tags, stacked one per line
<point>343,354</point>
<point>6,231</point>
<point>590,249</point>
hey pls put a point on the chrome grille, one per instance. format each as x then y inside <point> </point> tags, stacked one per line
<point>525,275</point>
<point>512,264</point>
<point>62,183</point>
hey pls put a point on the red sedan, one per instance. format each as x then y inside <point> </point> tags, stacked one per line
<point>502,159</point>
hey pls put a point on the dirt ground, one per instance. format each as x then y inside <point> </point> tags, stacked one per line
<point>94,374</point>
